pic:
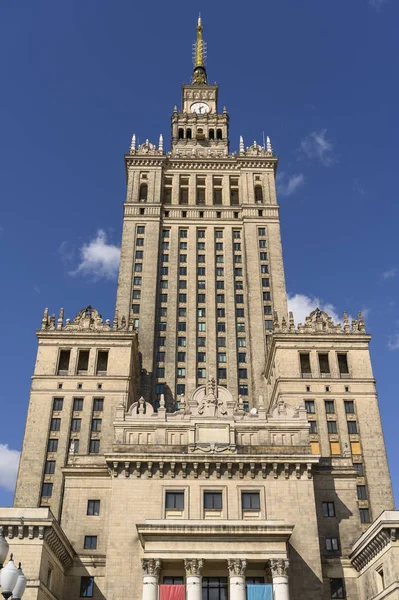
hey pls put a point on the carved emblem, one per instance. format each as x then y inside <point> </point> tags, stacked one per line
<point>210,405</point>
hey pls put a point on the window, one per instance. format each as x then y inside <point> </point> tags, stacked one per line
<point>102,362</point>
<point>240,313</point>
<point>181,341</point>
<point>163,297</point>
<point>220,285</point>
<point>180,388</point>
<point>359,468</point>
<point>201,326</point>
<point>200,195</point>
<point>140,230</point>
<point>239,298</point>
<point>163,311</point>
<point>90,542</point>
<point>136,294</point>
<point>250,500</point>
<point>219,258</point>
<point>138,267</point>
<point>335,448</point>
<point>213,500</point>
<point>263,255</point>
<point>268,325</point>
<point>343,365</point>
<point>332,544</point>
<point>143,192</point>
<point>75,424</point>
<point>183,197</point>
<point>183,245</point>
<point>174,500</point>
<point>237,258</point>
<point>201,258</point>
<point>243,373</point>
<point>324,364</point>
<point>58,403</point>
<point>241,342</point>
<point>165,233</point>
<point>159,388</point>
<point>310,407</point>
<point>258,194</point>
<point>238,272</point>
<point>364,515</point>
<point>349,407</point>
<point>181,326</point>
<point>221,326</point>
<point>136,308</point>
<point>266,282</point>
<point>52,445</point>
<point>221,342</point>
<point>337,588</point>
<point>182,312</point>
<point>361,492</point>
<point>222,373</point>
<point>181,356</point>
<point>163,284</point>
<point>162,326</point>
<point>93,508</point>
<point>183,258</point>
<point>137,280</point>
<point>328,509</point>
<point>220,313</point>
<point>239,284</point>
<point>94,446</point>
<point>219,271</point>
<point>188,133</point>
<point>49,467</point>
<point>201,271</point>
<point>352,427</point>
<point>329,406</point>
<point>313,426</point>
<point>264,269</point>
<point>96,424</point>
<point>164,258</point>
<point>243,390</point>
<point>220,298</point>
<point>83,362</point>
<point>47,490</point>
<point>217,195</point>
<point>201,342</point>
<point>222,357</point>
<point>181,372</point>
<point>201,373</point>
<point>305,365</point>
<point>332,427</point>
<point>201,357</point>
<point>55,424</point>
<point>219,134</point>
<point>160,372</point>
<point>167,194</point>
<point>242,357</point>
<point>139,254</point>
<point>86,587</point>
<point>63,362</point>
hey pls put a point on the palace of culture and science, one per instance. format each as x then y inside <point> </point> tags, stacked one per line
<point>201,445</point>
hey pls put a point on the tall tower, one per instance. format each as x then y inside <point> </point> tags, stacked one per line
<point>201,261</point>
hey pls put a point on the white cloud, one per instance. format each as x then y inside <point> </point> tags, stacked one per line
<point>377,3</point>
<point>98,258</point>
<point>9,461</point>
<point>317,146</point>
<point>389,273</point>
<point>301,306</point>
<point>288,184</point>
<point>393,342</point>
<point>36,290</point>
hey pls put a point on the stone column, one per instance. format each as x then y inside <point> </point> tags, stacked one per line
<point>279,569</point>
<point>193,568</point>
<point>151,568</point>
<point>237,568</point>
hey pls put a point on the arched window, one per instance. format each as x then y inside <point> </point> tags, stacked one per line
<point>188,133</point>
<point>211,134</point>
<point>219,134</point>
<point>258,194</point>
<point>181,133</point>
<point>143,192</point>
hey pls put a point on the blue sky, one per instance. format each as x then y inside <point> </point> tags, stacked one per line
<point>79,78</point>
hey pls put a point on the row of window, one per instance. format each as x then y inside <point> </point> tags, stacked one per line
<point>82,365</point>
<point>328,510</point>
<point>324,364</point>
<point>200,192</point>
<point>58,404</point>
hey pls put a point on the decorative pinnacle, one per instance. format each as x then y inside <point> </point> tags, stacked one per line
<point>242,149</point>
<point>160,145</point>
<point>199,56</point>
<point>133,144</point>
<point>268,145</point>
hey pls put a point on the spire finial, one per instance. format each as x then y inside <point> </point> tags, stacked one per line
<point>160,145</point>
<point>242,149</point>
<point>133,144</point>
<point>199,55</point>
<point>268,145</point>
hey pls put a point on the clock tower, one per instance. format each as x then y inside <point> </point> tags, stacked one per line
<point>199,130</point>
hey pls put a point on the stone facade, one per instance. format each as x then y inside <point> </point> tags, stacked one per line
<point>202,437</point>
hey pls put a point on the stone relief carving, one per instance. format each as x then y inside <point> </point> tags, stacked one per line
<point>211,404</point>
<point>237,566</point>
<point>319,321</point>
<point>279,567</point>
<point>193,566</point>
<point>151,566</point>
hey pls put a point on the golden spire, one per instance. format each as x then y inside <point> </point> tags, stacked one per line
<point>199,55</point>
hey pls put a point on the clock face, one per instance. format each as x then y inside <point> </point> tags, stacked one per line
<point>201,108</point>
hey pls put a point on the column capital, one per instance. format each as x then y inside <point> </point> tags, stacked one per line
<point>193,566</point>
<point>151,566</point>
<point>279,567</point>
<point>237,566</point>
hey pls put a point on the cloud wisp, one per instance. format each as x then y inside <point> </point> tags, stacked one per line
<point>389,273</point>
<point>9,461</point>
<point>98,258</point>
<point>301,306</point>
<point>316,146</point>
<point>289,184</point>
<point>393,342</point>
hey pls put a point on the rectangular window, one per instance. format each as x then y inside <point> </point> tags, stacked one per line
<point>136,280</point>
<point>305,365</point>
<point>361,492</point>
<point>102,362</point>
<point>174,500</point>
<point>83,362</point>
<point>47,490</point>
<point>332,544</point>
<point>337,588</point>
<point>324,364</point>
<point>55,424</point>
<point>140,230</point>
<point>182,298</point>
<point>264,269</point>
<point>265,282</point>
<point>183,245</point>
<point>63,362</point>
<point>328,509</point>
<point>160,372</point>
<point>222,373</point>
<point>241,342</point>
<point>364,515</point>
<point>268,324</point>
<point>201,233</point>
<point>163,284</point>
<point>181,326</point>
<point>181,341</point>
<point>262,243</point>
<point>261,231</point>
<point>98,404</point>
<point>200,195</point>
<point>136,294</point>
<point>181,357</point>
<point>201,312</point>
<point>352,427</point>
<point>213,500</point>
<point>182,312</point>
<point>201,272</point>
<point>240,313</point>
<point>236,234</point>
<point>239,298</point>
<point>159,388</point>
<point>250,500</point>
<point>201,357</point>
<point>52,445</point>
<point>359,468</point>
<point>219,271</point>
<point>164,271</point>
<point>220,298</point>
<point>140,242</point>
<point>181,372</point>
<point>173,580</point>
<point>58,403</point>
<point>238,272</point>
<point>263,255</point>
<point>349,407</point>
<point>220,313</point>
<point>49,467</point>
<point>221,326</point>
<point>162,326</point>
<point>164,258</point>
<point>96,425</point>
<point>237,246</point>
<point>243,373</point>
<point>201,326</point>
<point>180,388</point>
<point>220,285</point>
<point>222,357</point>
<point>201,373</point>
<point>182,270</point>
<point>135,310</point>
<point>217,196</point>
<point>266,296</point>
<point>332,426</point>
<point>94,446</point>
<point>219,258</point>
<point>343,365</point>
<point>239,284</point>
<point>183,258</point>
<point>93,508</point>
<point>163,311</point>
<point>243,390</point>
<point>221,342</point>
<point>90,542</point>
<point>313,426</point>
<point>139,254</point>
<point>75,424</point>
<point>201,342</point>
<point>183,198</point>
<point>242,357</point>
<point>329,406</point>
<point>86,587</point>
<point>310,407</point>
